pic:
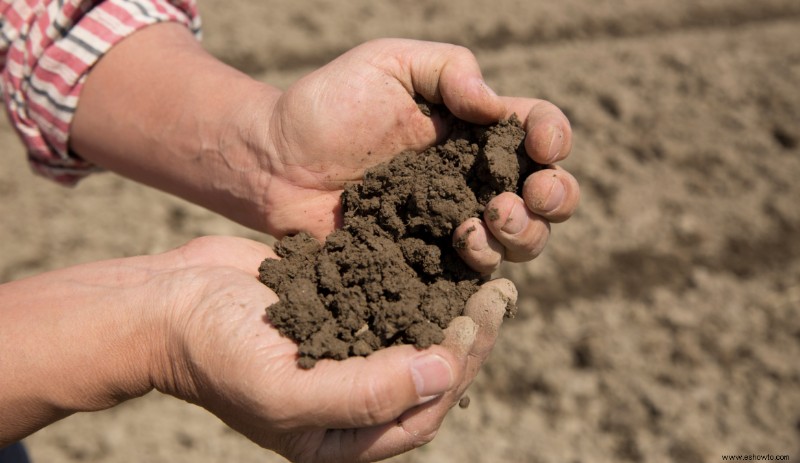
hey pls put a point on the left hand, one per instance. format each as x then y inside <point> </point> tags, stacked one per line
<point>222,355</point>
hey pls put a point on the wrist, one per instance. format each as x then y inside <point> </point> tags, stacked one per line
<point>246,157</point>
<point>159,109</point>
<point>77,339</point>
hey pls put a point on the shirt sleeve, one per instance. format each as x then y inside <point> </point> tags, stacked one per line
<point>47,48</point>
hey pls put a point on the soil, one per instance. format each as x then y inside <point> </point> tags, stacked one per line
<point>392,275</point>
<point>660,325</point>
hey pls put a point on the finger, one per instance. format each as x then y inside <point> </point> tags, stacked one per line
<point>449,74</point>
<point>423,422</point>
<point>522,233</point>
<point>414,428</point>
<point>365,444</point>
<point>552,193</point>
<point>476,246</point>
<point>488,308</point>
<point>460,338</point>
<point>472,337</point>
<point>549,135</point>
<point>362,392</point>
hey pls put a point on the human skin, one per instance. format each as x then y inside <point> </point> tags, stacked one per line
<point>190,323</point>
<point>160,110</point>
<point>277,161</point>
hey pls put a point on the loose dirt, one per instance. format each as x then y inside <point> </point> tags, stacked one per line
<point>392,274</point>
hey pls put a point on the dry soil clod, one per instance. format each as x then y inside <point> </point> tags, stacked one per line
<point>391,274</point>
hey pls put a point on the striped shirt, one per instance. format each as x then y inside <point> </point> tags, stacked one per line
<point>47,48</point>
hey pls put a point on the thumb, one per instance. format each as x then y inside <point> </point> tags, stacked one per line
<point>368,391</point>
<point>449,74</point>
<point>415,427</point>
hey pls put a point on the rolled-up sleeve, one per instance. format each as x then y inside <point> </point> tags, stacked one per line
<point>46,51</point>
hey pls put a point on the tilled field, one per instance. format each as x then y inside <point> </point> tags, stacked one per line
<point>662,323</point>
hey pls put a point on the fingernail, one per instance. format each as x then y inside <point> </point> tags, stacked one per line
<point>556,143</point>
<point>476,238</point>
<point>555,197</point>
<point>432,375</point>
<point>516,220</point>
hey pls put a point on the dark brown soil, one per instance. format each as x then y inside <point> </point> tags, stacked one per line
<point>391,274</point>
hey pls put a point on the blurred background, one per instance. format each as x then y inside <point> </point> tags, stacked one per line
<point>662,323</point>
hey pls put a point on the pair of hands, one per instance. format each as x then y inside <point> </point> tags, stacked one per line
<point>326,129</point>
<point>288,162</point>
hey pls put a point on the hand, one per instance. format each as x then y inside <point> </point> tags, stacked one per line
<point>223,356</point>
<point>277,161</point>
<point>186,123</point>
<point>191,323</point>
<point>359,111</point>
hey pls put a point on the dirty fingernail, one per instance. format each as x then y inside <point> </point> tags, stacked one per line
<point>476,238</point>
<point>556,143</point>
<point>516,220</point>
<point>555,197</point>
<point>432,375</point>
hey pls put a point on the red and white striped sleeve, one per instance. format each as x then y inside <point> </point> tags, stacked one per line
<point>47,48</point>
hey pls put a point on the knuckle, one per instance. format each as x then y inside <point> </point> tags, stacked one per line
<point>545,107</point>
<point>374,403</point>
<point>531,245</point>
<point>422,433</point>
<point>460,50</point>
<point>425,437</point>
<point>460,53</point>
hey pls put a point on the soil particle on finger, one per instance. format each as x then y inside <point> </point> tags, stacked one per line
<point>391,275</point>
<point>493,214</point>
<point>461,241</point>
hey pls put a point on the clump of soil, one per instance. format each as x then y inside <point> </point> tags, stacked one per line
<point>391,274</point>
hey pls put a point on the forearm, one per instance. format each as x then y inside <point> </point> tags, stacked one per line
<point>160,110</point>
<point>73,340</point>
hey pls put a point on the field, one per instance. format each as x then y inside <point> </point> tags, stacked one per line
<point>662,323</point>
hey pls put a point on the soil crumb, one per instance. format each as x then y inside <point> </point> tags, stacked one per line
<point>391,275</point>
